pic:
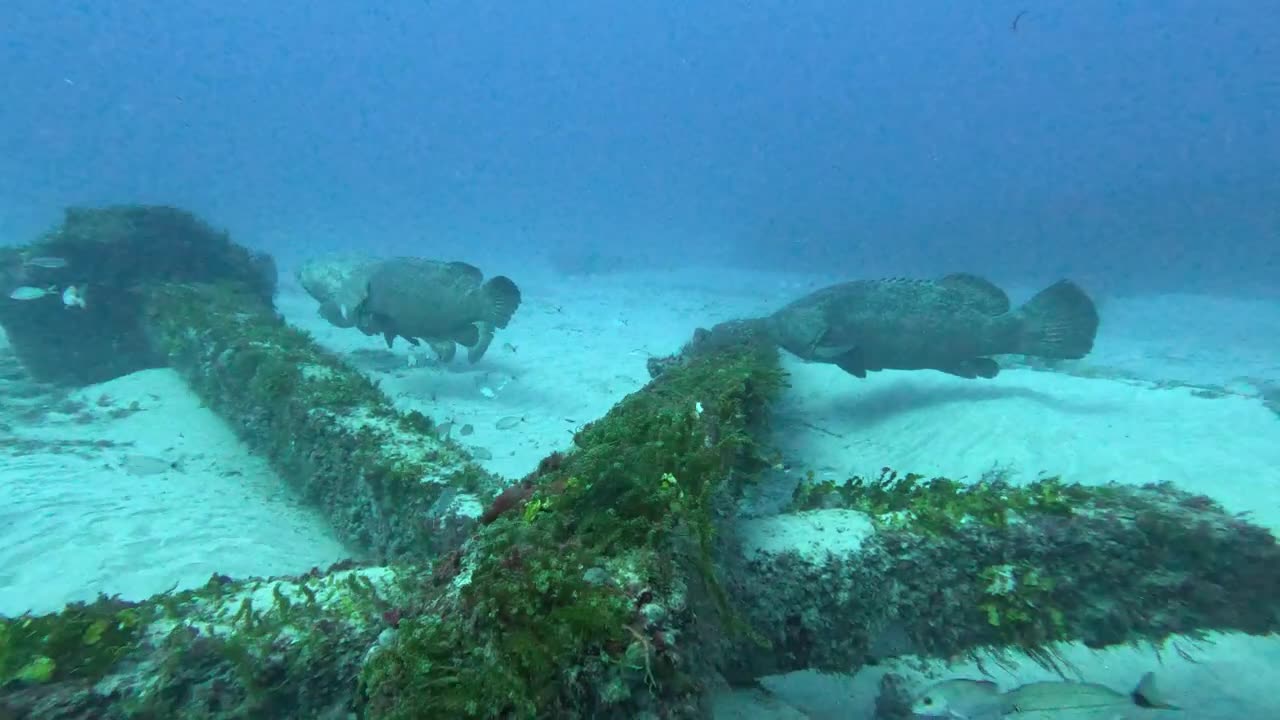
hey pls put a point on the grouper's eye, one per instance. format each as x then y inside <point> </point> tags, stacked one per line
<point>927,701</point>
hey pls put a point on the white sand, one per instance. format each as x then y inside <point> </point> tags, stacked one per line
<point>178,499</point>
<point>116,521</point>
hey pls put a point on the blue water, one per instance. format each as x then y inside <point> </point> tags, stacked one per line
<point>1131,145</point>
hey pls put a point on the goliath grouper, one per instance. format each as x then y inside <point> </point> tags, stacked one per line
<point>339,284</point>
<point>953,324</point>
<point>441,302</point>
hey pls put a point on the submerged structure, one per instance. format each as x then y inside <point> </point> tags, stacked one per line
<point>108,259</point>
<point>617,579</point>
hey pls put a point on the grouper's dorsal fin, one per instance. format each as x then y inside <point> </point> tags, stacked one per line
<point>980,294</point>
<point>465,271</point>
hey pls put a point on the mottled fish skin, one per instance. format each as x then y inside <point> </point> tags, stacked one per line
<point>953,324</point>
<point>338,284</point>
<point>440,302</point>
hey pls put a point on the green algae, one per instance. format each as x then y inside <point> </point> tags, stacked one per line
<point>944,506</point>
<point>281,647</point>
<point>1019,605</point>
<point>326,427</point>
<point>544,620</point>
<point>231,644</point>
<point>83,641</point>
<point>1023,567</point>
<point>1018,602</point>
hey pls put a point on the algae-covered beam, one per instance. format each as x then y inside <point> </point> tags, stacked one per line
<point>593,591</point>
<point>576,598</point>
<point>287,647</point>
<point>385,479</point>
<point>614,581</point>
<point>901,565</point>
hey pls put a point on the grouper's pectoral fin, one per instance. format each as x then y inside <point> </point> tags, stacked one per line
<point>853,363</point>
<point>484,332</point>
<point>445,349</point>
<point>389,336</point>
<point>973,368</point>
<point>467,335</point>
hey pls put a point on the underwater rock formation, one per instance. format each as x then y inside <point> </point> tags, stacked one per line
<point>615,580</point>
<point>108,258</point>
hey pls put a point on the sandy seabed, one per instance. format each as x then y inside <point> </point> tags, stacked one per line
<point>133,487</point>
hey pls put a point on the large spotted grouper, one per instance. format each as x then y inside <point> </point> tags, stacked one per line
<point>953,324</point>
<point>444,303</point>
<point>339,284</point>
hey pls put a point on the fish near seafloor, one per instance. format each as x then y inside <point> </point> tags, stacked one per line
<point>963,699</point>
<point>338,284</point>
<point>440,302</point>
<point>952,324</point>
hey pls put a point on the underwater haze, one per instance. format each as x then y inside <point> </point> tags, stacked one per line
<point>557,353</point>
<point>1131,144</point>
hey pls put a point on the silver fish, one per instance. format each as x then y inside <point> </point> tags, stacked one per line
<point>953,324</point>
<point>508,422</point>
<point>959,699</point>
<point>27,292</point>
<point>962,699</point>
<point>51,263</point>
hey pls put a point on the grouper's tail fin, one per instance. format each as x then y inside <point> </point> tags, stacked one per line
<point>504,298</point>
<point>1060,322</point>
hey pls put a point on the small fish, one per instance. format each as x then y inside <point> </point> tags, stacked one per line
<point>73,296</point>
<point>962,699</point>
<point>466,429</point>
<point>27,292</point>
<point>143,465</point>
<point>508,422</point>
<point>959,699</point>
<point>480,453</point>
<point>509,347</point>
<point>443,429</point>
<point>50,263</point>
